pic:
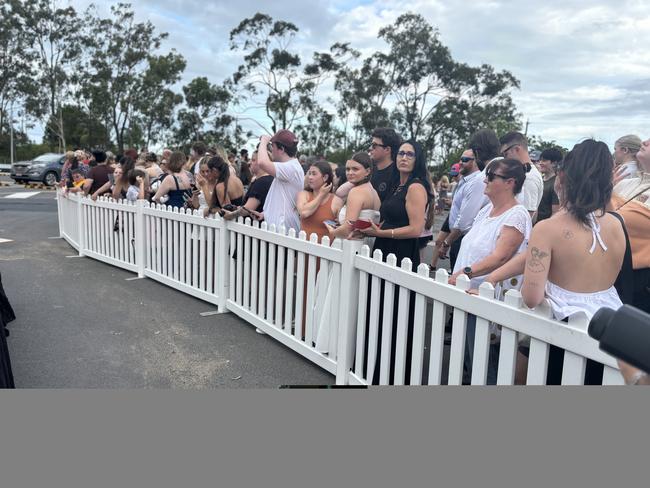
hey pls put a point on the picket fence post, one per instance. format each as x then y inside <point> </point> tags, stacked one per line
<point>222,264</point>
<point>348,303</point>
<point>80,226</point>
<point>59,211</point>
<point>139,238</point>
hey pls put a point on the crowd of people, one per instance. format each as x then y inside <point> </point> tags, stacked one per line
<point>572,230</point>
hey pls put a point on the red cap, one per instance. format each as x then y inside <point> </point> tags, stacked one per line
<point>285,137</point>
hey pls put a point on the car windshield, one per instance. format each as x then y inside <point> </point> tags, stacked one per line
<point>47,158</point>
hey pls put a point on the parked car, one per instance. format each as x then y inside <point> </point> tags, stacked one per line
<point>46,168</point>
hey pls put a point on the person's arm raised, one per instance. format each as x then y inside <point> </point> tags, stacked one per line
<point>307,208</point>
<point>263,160</point>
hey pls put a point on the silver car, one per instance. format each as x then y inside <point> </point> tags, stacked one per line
<point>46,168</point>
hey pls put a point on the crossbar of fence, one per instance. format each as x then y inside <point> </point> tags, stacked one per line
<point>365,319</point>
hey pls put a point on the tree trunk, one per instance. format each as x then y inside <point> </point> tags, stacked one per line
<point>61,130</point>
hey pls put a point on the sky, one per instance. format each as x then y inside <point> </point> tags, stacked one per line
<point>584,66</point>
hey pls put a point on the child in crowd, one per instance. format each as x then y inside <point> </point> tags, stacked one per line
<point>136,185</point>
<point>78,181</point>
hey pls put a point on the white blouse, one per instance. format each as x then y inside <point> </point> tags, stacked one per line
<point>481,240</point>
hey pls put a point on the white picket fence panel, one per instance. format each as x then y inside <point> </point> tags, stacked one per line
<point>68,210</point>
<point>354,315</point>
<point>433,301</point>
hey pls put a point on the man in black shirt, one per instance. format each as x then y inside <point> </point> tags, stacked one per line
<point>98,175</point>
<point>383,151</point>
<point>550,202</point>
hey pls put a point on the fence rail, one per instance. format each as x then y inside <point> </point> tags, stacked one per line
<point>357,316</point>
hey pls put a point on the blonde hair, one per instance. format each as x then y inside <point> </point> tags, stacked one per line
<point>630,142</point>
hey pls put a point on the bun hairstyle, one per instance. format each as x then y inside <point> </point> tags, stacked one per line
<point>587,179</point>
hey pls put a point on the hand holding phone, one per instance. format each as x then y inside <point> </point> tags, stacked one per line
<point>331,223</point>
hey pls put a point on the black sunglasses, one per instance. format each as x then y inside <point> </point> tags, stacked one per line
<point>466,159</point>
<point>374,145</point>
<point>491,175</point>
<point>503,153</point>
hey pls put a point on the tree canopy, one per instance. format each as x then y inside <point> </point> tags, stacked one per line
<point>108,81</point>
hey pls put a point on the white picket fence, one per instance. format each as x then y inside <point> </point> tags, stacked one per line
<point>348,312</point>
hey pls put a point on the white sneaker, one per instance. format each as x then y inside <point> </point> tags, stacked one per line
<point>260,331</point>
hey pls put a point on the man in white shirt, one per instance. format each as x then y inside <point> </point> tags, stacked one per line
<point>514,145</point>
<point>288,179</point>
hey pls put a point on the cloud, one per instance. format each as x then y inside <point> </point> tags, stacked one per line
<point>584,66</point>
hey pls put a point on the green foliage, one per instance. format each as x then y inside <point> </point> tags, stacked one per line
<point>54,46</point>
<point>417,87</point>
<point>123,81</point>
<point>538,143</point>
<point>83,130</point>
<point>273,78</point>
<point>98,80</point>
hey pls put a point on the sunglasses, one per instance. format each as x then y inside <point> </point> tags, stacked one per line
<point>491,175</point>
<point>408,154</point>
<point>466,159</point>
<point>374,145</point>
<point>503,153</point>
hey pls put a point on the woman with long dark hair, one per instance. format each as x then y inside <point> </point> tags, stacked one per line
<point>575,256</point>
<point>228,189</point>
<point>121,184</point>
<point>402,213</point>
<point>402,217</point>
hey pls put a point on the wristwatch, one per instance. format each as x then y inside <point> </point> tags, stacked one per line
<point>468,271</point>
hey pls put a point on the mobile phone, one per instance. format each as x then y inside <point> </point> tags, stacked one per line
<point>331,223</point>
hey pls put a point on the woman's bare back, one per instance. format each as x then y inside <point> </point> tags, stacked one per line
<point>573,267</point>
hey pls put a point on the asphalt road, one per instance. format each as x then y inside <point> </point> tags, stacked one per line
<point>80,324</point>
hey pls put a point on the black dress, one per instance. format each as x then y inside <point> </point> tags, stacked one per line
<point>6,316</point>
<point>393,215</point>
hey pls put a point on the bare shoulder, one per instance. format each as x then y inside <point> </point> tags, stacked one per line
<point>416,189</point>
<point>359,191</point>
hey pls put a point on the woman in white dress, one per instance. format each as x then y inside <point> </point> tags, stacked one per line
<point>362,203</point>
<point>361,207</point>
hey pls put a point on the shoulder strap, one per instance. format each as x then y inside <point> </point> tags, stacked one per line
<point>176,181</point>
<point>624,283</point>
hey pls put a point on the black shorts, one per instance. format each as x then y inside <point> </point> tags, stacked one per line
<point>445,226</point>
